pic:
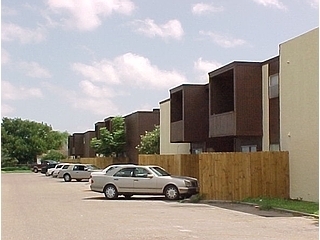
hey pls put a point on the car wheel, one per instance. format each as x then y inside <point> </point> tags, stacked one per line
<point>127,196</point>
<point>110,192</point>
<point>171,192</point>
<point>67,178</point>
<point>35,170</point>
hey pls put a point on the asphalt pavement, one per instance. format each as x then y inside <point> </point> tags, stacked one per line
<point>38,207</point>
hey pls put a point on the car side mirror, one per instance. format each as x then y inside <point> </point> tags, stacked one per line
<point>149,175</point>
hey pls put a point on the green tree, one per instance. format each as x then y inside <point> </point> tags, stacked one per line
<point>150,142</point>
<point>111,143</point>
<point>53,155</point>
<point>24,140</point>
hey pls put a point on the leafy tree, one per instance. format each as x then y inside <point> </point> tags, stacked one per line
<point>24,140</point>
<point>53,155</point>
<point>150,142</point>
<point>111,143</point>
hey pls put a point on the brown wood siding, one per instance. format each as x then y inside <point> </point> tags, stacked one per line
<point>248,98</point>
<point>136,125</point>
<point>78,144</point>
<point>192,101</point>
<point>196,112</point>
<point>88,151</point>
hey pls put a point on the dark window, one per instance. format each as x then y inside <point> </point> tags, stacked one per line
<point>78,168</point>
<point>65,166</point>
<point>125,172</point>
<point>141,172</point>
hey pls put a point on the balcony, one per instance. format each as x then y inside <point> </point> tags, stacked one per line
<point>177,131</point>
<point>222,125</point>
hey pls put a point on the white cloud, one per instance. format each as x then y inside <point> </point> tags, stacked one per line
<point>5,56</point>
<point>11,32</point>
<point>314,3</point>
<point>103,71</point>
<point>130,70</point>
<point>6,109</point>
<point>104,79</point>
<point>11,92</point>
<point>203,67</point>
<point>96,91</point>
<point>171,29</point>
<point>33,69</point>
<point>272,3</point>
<point>7,11</point>
<point>86,15</point>
<point>224,41</point>
<point>92,99</point>
<point>98,106</point>
<point>203,8</point>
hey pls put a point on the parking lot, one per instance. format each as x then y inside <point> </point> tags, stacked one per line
<point>38,207</point>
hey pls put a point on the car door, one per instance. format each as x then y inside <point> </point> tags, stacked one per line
<point>143,182</point>
<point>123,180</point>
<point>78,172</point>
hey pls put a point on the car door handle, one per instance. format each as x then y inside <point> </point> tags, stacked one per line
<point>115,179</point>
<point>136,180</point>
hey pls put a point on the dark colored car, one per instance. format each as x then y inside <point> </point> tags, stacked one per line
<point>48,164</point>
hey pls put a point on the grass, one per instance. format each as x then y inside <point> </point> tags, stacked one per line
<point>289,204</point>
<point>23,169</point>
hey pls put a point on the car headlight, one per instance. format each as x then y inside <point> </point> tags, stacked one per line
<point>187,183</point>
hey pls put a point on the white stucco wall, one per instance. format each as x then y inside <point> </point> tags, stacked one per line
<point>265,108</point>
<point>299,112</point>
<point>165,146</point>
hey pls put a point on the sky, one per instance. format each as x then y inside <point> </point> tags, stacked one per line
<point>72,63</point>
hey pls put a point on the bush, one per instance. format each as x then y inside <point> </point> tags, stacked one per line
<point>17,168</point>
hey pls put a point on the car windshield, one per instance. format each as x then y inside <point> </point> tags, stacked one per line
<point>159,171</point>
<point>92,167</point>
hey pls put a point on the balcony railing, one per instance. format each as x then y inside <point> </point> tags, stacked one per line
<point>223,124</point>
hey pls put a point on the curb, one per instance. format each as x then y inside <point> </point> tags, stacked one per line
<point>256,205</point>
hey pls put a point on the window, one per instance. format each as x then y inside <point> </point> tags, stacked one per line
<point>159,171</point>
<point>78,168</point>
<point>249,148</point>
<point>65,166</point>
<point>274,86</point>
<point>125,172</point>
<point>141,172</point>
<point>274,147</point>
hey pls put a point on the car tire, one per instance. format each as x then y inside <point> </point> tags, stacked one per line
<point>110,192</point>
<point>35,170</point>
<point>67,178</point>
<point>171,192</point>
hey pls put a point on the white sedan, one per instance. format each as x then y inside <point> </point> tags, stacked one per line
<point>77,171</point>
<point>131,180</point>
<point>51,170</point>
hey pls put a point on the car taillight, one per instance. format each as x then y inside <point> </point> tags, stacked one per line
<point>91,180</point>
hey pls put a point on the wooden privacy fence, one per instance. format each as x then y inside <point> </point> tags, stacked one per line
<point>100,162</point>
<point>231,176</point>
<point>180,164</point>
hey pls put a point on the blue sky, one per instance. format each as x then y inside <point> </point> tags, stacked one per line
<point>72,63</point>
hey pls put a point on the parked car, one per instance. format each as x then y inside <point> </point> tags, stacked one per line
<point>51,170</point>
<point>131,180</point>
<point>77,171</point>
<point>48,164</point>
<point>36,167</point>
<point>56,171</point>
